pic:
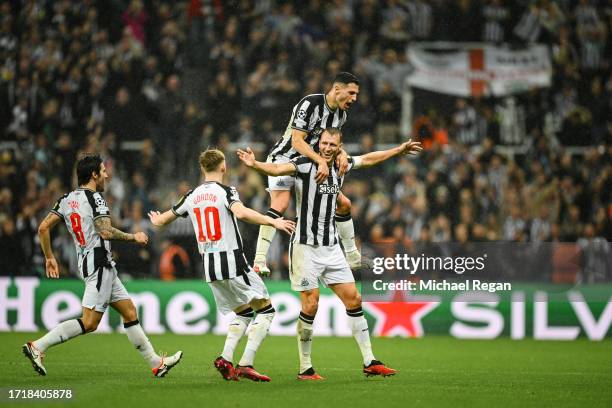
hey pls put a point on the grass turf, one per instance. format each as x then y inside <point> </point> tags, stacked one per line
<point>105,371</point>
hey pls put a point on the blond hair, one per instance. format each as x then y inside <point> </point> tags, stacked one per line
<point>210,159</point>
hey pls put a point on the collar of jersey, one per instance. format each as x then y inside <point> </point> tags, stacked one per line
<point>85,188</point>
<point>326,104</point>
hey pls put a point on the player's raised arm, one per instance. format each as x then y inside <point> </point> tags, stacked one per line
<point>246,214</point>
<point>160,219</point>
<point>374,158</point>
<point>110,233</point>
<point>298,142</point>
<point>44,235</point>
<point>280,169</point>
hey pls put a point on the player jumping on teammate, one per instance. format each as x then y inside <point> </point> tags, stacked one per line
<point>87,218</point>
<point>213,208</point>
<point>314,252</point>
<point>309,118</point>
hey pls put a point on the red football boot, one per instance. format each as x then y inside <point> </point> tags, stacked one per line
<point>378,368</point>
<point>226,368</point>
<point>309,374</point>
<point>250,373</point>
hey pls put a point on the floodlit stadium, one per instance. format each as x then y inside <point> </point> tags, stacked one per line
<point>276,202</point>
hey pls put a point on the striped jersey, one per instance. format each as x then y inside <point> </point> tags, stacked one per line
<point>311,115</point>
<point>316,203</point>
<point>216,229</point>
<point>79,209</point>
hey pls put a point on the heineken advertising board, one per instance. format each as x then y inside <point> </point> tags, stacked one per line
<point>546,312</point>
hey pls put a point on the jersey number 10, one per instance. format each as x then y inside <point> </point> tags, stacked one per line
<point>212,232</point>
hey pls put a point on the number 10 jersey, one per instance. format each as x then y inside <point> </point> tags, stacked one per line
<point>216,229</point>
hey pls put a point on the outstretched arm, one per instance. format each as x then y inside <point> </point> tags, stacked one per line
<point>110,233</point>
<point>160,219</point>
<point>246,214</point>
<point>44,235</point>
<point>281,169</point>
<point>374,158</point>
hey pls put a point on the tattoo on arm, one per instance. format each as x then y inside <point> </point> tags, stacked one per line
<point>110,233</point>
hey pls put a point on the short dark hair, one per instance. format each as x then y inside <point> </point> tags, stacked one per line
<point>346,78</point>
<point>86,166</point>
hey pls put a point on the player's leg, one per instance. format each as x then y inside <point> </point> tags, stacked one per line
<point>310,304</point>
<point>346,231</point>
<point>304,273</point>
<point>280,196</point>
<point>95,301</point>
<point>257,332</point>
<point>35,350</point>
<point>122,303</point>
<point>224,363</point>
<point>351,298</point>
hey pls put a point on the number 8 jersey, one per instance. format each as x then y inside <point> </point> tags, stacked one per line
<point>79,209</point>
<point>216,229</point>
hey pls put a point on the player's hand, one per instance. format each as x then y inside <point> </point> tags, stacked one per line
<point>141,238</point>
<point>247,157</point>
<point>411,148</point>
<point>284,225</point>
<point>155,217</point>
<point>342,163</point>
<point>322,171</point>
<point>52,268</point>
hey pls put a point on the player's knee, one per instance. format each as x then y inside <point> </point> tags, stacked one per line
<point>343,206</point>
<point>130,314</point>
<point>353,300</point>
<point>310,305</point>
<point>90,325</point>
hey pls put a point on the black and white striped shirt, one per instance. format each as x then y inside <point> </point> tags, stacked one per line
<point>79,209</point>
<point>311,115</point>
<point>216,229</point>
<point>316,203</point>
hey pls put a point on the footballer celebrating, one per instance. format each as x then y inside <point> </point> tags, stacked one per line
<point>213,208</point>
<point>309,118</point>
<point>87,218</point>
<point>314,252</point>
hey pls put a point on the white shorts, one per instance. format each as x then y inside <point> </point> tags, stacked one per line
<point>103,288</point>
<point>279,183</point>
<point>309,263</point>
<point>242,290</point>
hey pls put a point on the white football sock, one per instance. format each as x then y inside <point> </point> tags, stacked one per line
<point>346,232</point>
<point>265,237</point>
<point>257,333</point>
<point>359,327</point>
<point>140,340</point>
<point>61,333</point>
<point>304,337</point>
<point>235,332</point>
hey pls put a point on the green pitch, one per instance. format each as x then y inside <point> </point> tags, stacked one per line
<point>105,371</point>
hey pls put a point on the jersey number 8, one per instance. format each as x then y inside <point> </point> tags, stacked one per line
<point>212,232</point>
<point>77,228</point>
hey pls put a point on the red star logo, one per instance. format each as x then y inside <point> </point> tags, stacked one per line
<point>400,316</point>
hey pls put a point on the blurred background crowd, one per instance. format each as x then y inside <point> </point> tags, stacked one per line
<point>149,84</point>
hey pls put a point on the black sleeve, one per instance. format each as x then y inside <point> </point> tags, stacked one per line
<point>57,207</point>
<point>180,209</point>
<point>98,205</point>
<point>302,115</point>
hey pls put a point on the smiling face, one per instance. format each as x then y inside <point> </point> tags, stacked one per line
<point>346,94</point>
<point>329,145</point>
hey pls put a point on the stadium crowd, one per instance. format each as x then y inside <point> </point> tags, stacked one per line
<point>148,84</point>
